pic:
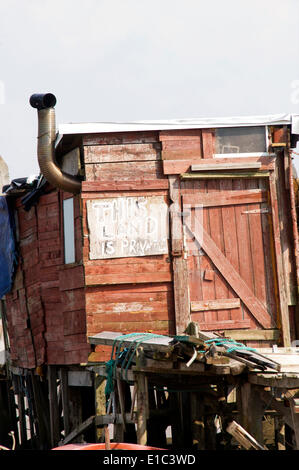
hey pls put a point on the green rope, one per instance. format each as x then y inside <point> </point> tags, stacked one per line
<point>142,337</point>
<point>234,345</point>
<point>130,353</point>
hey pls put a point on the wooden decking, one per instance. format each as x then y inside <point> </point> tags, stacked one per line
<point>170,386</point>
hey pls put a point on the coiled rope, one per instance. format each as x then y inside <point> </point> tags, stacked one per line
<point>125,356</point>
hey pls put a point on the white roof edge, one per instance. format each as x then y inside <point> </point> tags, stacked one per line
<point>200,123</point>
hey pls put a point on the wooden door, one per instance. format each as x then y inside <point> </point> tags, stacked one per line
<point>231,257</point>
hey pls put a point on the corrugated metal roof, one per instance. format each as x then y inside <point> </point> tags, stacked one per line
<point>200,123</point>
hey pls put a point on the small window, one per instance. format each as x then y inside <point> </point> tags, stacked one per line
<point>230,140</point>
<point>69,230</point>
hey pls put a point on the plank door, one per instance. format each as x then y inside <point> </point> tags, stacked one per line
<point>230,253</point>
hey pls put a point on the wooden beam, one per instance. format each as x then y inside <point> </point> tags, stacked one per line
<point>108,337</point>
<point>134,185</point>
<point>253,335</point>
<point>180,271</point>
<point>176,167</point>
<point>223,324</point>
<point>227,166</point>
<point>221,175</point>
<point>250,196</point>
<point>254,305</point>
<point>283,303</point>
<point>103,420</point>
<point>281,380</point>
<point>272,403</point>
<point>243,437</point>
<point>78,430</point>
<point>217,304</point>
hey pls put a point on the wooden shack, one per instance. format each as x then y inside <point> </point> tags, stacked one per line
<point>175,222</point>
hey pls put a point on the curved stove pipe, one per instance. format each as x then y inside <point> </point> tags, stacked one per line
<point>44,103</point>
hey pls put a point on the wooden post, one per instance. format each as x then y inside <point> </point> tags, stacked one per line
<point>34,431</point>
<point>65,400</point>
<point>142,408</point>
<point>251,411</point>
<point>294,406</point>
<point>180,273</point>
<point>197,421</point>
<point>42,412</point>
<point>283,301</point>
<point>280,433</point>
<point>53,405</point>
<point>21,409</point>
<point>119,428</point>
<point>100,402</point>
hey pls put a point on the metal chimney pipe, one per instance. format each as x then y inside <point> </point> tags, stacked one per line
<point>44,103</point>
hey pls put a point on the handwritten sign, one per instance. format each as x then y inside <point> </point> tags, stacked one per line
<point>127,227</point>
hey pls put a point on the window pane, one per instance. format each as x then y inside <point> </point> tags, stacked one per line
<point>240,140</point>
<point>69,231</point>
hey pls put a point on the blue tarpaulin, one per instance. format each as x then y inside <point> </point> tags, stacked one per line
<point>7,248</point>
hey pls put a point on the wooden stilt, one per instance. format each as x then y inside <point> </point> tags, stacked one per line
<point>53,405</point>
<point>31,413</point>
<point>42,412</point>
<point>210,432</point>
<point>294,406</point>
<point>21,409</point>
<point>280,433</point>
<point>100,403</point>
<point>197,421</point>
<point>142,408</point>
<point>251,410</point>
<point>65,400</point>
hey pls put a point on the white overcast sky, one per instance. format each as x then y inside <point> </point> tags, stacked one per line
<point>118,60</point>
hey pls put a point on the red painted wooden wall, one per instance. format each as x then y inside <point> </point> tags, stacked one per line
<point>242,275</point>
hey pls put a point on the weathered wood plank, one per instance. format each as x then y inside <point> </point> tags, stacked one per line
<point>284,312</point>
<point>123,171</point>
<point>218,304</point>
<point>119,138</point>
<point>78,430</point>
<point>226,197</point>
<point>105,279</point>
<point>255,335</point>
<point>180,272</point>
<point>162,343</point>
<point>176,167</point>
<point>220,324</point>
<point>230,175</point>
<point>134,185</point>
<point>122,153</point>
<point>226,166</point>
<point>243,437</point>
<point>208,140</point>
<point>281,380</point>
<point>180,134</point>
